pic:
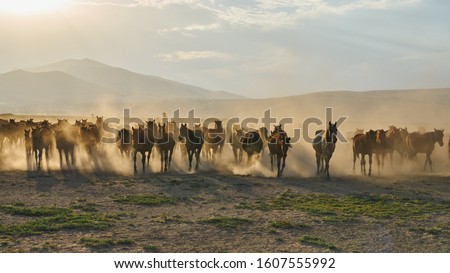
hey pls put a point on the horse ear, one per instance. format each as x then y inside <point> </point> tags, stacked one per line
<point>329,123</point>
<point>335,124</point>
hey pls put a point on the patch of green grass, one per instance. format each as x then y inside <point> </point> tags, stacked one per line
<point>316,241</point>
<point>53,219</point>
<point>350,208</point>
<point>227,222</point>
<point>103,243</point>
<point>146,199</point>
<point>150,248</point>
<point>26,211</point>
<point>285,224</point>
<point>87,207</point>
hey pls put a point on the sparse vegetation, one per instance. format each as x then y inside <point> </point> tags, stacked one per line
<point>316,241</point>
<point>227,222</point>
<point>150,248</point>
<point>146,199</point>
<point>285,224</point>
<point>104,242</point>
<point>53,219</point>
<point>350,208</point>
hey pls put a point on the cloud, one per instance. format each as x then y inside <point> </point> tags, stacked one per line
<point>188,30</point>
<point>266,14</point>
<point>193,55</point>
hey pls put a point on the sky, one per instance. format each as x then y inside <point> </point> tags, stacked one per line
<point>258,48</point>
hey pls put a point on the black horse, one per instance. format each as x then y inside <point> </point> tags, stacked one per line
<point>194,143</point>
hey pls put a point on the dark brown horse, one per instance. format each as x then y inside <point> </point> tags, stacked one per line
<point>143,142</point>
<point>67,138</point>
<point>89,138</point>
<point>252,145</point>
<point>324,144</point>
<point>124,141</point>
<point>165,144</point>
<point>42,139</point>
<point>194,143</point>
<point>395,142</point>
<point>364,144</point>
<point>28,147</point>
<point>424,143</point>
<point>279,144</point>
<point>214,140</point>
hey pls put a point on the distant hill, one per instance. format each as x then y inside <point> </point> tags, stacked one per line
<point>22,87</point>
<point>126,83</point>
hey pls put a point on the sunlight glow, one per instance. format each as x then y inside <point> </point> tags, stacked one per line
<point>28,7</point>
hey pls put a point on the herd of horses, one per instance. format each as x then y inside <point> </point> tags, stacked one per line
<point>40,138</point>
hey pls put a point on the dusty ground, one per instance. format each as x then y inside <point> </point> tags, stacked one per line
<point>188,223</point>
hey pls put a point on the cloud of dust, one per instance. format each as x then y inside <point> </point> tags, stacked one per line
<point>366,110</point>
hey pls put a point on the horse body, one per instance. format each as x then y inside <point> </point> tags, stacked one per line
<point>279,144</point>
<point>90,137</point>
<point>236,144</point>
<point>165,144</point>
<point>424,143</point>
<point>28,147</point>
<point>380,148</point>
<point>194,142</point>
<point>42,139</point>
<point>324,144</point>
<point>252,144</point>
<point>143,142</point>
<point>124,141</point>
<point>67,138</point>
<point>214,140</point>
<point>364,144</point>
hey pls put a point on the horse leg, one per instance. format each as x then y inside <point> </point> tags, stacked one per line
<point>60,159</point>
<point>278,166</point>
<point>382,161</point>
<point>47,159</point>
<point>429,162</point>
<point>166,155</point>
<point>148,157</point>
<point>134,161</point>
<point>190,155</point>
<point>143,161</point>
<point>370,165</point>
<point>66,152</point>
<point>170,158</point>
<point>284,164</point>
<point>271,161</point>
<point>197,159</point>
<point>327,166</point>
<point>162,160</point>
<point>354,161</point>
<point>378,162</point>
<point>235,155</point>
<point>363,164</point>
<point>318,157</point>
<point>72,155</point>
<point>40,159</point>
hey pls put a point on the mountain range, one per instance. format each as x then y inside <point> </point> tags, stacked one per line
<point>79,80</point>
<point>82,87</point>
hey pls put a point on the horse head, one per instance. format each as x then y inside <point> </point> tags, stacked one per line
<point>218,124</point>
<point>331,134</point>
<point>380,136</point>
<point>439,136</point>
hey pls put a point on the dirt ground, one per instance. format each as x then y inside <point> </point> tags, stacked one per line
<point>202,201</point>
